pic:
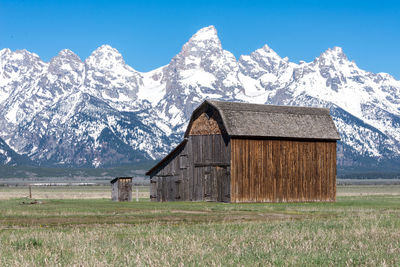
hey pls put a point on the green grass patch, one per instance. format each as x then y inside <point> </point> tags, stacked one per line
<point>27,243</point>
<point>356,230</point>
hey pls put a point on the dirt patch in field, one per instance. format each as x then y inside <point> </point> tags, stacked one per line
<point>190,211</point>
<point>180,216</point>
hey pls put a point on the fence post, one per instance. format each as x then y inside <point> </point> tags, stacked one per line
<point>30,191</point>
<point>137,194</point>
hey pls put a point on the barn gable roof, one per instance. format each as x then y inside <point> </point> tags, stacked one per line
<point>256,120</point>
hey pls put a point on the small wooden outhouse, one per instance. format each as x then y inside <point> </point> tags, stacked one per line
<point>121,189</point>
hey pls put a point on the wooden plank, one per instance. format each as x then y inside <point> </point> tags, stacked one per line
<point>214,183</point>
<point>260,166</point>
<point>239,165</point>
<point>249,171</point>
<point>215,164</point>
<point>236,164</point>
<point>269,183</point>
<point>227,183</point>
<point>246,188</point>
<point>277,164</point>
<point>289,172</point>
<point>234,174</point>
<point>264,183</point>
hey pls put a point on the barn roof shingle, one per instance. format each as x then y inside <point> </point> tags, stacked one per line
<point>256,120</point>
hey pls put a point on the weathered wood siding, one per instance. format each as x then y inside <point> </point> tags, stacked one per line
<point>168,181</point>
<point>197,171</point>
<point>114,191</point>
<point>282,170</point>
<point>125,189</point>
<point>210,168</point>
<point>122,190</point>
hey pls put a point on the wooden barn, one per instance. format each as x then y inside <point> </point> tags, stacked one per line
<point>238,152</point>
<point>121,189</point>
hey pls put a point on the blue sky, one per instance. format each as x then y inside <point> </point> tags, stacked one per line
<point>149,33</point>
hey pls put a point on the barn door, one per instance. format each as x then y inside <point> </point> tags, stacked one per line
<point>216,183</point>
<point>162,189</point>
<point>153,189</point>
<point>223,183</point>
<point>210,184</point>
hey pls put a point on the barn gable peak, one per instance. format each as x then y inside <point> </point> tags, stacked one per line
<point>205,120</point>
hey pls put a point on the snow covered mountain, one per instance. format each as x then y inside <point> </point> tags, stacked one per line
<point>10,157</point>
<point>102,112</point>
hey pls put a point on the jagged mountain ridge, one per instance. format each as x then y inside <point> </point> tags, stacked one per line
<point>10,157</point>
<point>102,112</point>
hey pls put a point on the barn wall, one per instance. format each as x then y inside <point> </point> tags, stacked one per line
<point>282,171</point>
<point>168,180</point>
<point>198,171</point>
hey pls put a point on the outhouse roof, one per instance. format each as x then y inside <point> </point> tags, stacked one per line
<point>117,178</point>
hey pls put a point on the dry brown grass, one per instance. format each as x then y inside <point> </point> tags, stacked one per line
<point>368,190</point>
<point>95,192</point>
<point>65,192</point>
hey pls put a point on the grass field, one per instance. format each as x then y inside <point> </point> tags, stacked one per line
<point>361,228</point>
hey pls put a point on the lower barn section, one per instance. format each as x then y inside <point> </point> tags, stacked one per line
<point>210,183</point>
<point>197,170</point>
<point>282,171</point>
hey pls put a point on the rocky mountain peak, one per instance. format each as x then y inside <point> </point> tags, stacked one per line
<point>268,49</point>
<point>66,53</point>
<point>203,40</point>
<point>69,70</point>
<point>266,52</point>
<point>203,46</point>
<point>66,60</point>
<point>19,65</point>
<point>106,49</point>
<point>333,54</point>
<point>4,51</point>
<point>263,60</point>
<point>105,57</point>
<point>206,33</point>
<point>23,56</point>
